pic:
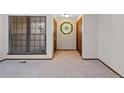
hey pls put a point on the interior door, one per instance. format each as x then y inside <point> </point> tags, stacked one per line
<point>79,35</point>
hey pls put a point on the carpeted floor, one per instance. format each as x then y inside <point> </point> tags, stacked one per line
<point>65,64</point>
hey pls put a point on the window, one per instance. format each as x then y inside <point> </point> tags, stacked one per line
<point>27,35</point>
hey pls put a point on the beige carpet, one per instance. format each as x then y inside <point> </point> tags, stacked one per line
<point>65,64</point>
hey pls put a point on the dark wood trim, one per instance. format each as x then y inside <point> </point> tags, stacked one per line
<point>26,53</point>
<point>26,59</point>
<point>2,60</point>
<point>28,34</point>
<point>90,58</point>
<point>54,35</point>
<point>79,35</point>
<point>45,34</point>
<point>105,65</point>
<point>9,34</point>
<point>111,68</point>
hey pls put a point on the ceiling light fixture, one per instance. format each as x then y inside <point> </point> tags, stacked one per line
<point>66,15</point>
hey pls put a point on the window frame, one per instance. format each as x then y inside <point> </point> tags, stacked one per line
<point>27,39</point>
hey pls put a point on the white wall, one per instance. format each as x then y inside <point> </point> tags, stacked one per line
<point>2,37</point>
<point>111,46</point>
<point>89,38</point>
<point>90,31</point>
<point>49,40</point>
<point>104,37</point>
<point>66,41</point>
<point>117,43</point>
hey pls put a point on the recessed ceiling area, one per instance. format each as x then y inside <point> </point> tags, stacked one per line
<point>67,16</point>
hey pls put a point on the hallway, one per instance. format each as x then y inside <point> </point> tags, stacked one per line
<point>65,64</point>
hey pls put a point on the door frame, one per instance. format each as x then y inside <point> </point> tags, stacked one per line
<point>54,35</point>
<point>79,33</point>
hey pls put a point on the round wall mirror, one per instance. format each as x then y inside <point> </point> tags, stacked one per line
<point>66,27</point>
